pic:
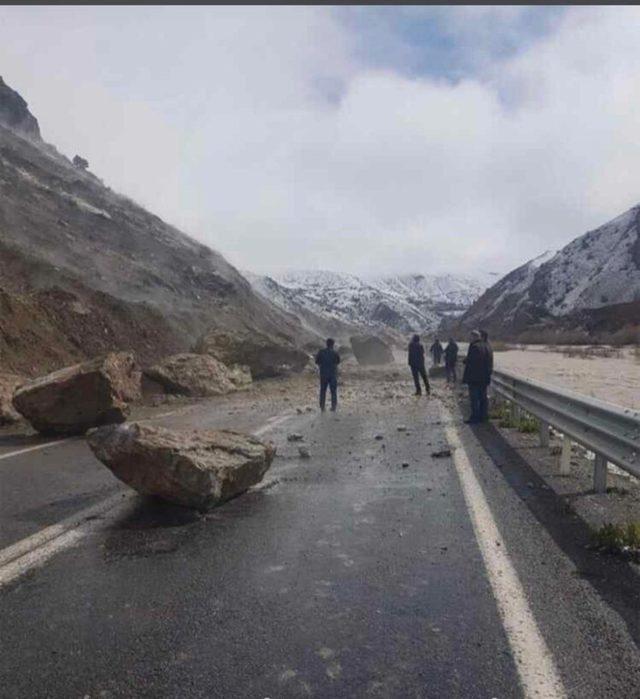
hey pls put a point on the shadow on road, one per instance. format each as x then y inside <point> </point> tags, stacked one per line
<point>613,579</point>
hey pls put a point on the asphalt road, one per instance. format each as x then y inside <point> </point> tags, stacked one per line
<point>372,569</point>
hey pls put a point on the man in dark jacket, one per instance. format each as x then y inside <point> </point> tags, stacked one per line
<point>416,362</point>
<point>485,338</point>
<point>477,375</point>
<point>436,352</point>
<point>450,360</point>
<point>327,360</point>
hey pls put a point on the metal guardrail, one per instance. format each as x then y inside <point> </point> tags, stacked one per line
<point>612,433</point>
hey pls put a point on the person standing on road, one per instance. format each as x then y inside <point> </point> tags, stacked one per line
<point>450,360</point>
<point>436,352</point>
<point>417,364</point>
<point>477,376</point>
<point>485,338</point>
<point>327,360</point>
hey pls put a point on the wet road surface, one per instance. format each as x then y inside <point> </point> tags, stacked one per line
<point>355,573</point>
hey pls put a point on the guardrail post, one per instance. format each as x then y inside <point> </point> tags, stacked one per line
<point>544,434</point>
<point>565,456</point>
<point>600,474</point>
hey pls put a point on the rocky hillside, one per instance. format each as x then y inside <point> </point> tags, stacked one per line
<point>339,303</point>
<point>591,286</point>
<point>84,269</point>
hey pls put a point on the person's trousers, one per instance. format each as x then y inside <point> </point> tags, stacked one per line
<point>417,372</point>
<point>452,376</point>
<point>330,382</point>
<point>479,402</point>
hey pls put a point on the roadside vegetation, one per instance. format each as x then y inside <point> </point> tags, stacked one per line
<point>505,418</point>
<point>619,539</point>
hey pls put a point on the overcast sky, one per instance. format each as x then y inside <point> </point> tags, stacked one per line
<point>363,139</point>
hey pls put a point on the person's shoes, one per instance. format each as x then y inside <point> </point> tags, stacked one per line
<point>471,421</point>
<point>418,393</point>
<point>333,409</point>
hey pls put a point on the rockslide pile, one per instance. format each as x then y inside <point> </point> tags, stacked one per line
<point>198,469</point>
<point>8,385</point>
<point>265,356</point>
<point>198,375</point>
<point>371,350</point>
<point>73,399</point>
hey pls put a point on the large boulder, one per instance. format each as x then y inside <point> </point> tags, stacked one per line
<point>73,399</point>
<point>371,350</point>
<point>264,355</point>
<point>198,375</point>
<point>197,469</point>
<point>8,385</point>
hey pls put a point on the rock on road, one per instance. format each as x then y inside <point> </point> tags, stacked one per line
<point>362,571</point>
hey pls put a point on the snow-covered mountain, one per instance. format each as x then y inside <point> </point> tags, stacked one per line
<point>597,271</point>
<point>332,302</point>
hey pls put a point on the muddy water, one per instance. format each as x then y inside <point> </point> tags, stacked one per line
<point>613,379</point>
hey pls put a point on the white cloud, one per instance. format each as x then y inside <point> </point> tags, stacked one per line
<point>261,133</point>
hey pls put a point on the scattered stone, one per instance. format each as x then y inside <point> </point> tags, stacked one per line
<point>405,465</point>
<point>294,437</point>
<point>304,453</point>
<point>198,469</point>
<point>401,428</point>
<point>198,375</point>
<point>443,453</point>
<point>379,437</point>
<point>73,399</point>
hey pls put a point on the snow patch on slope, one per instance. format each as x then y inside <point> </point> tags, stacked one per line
<point>404,303</point>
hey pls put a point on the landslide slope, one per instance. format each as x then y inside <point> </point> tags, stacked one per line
<point>84,269</point>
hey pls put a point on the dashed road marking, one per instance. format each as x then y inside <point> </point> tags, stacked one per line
<point>271,423</point>
<point>34,550</point>
<point>536,668</point>
<point>26,450</point>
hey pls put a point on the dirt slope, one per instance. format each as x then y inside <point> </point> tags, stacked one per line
<point>147,285</point>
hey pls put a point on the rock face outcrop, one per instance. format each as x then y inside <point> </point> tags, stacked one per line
<point>8,385</point>
<point>14,113</point>
<point>198,375</point>
<point>371,350</point>
<point>73,399</point>
<point>264,355</point>
<point>198,469</point>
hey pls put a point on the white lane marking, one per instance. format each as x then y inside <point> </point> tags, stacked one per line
<point>63,440</point>
<point>39,555</point>
<point>36,447</point>
<point>42,536</point>
<point>34,550</point>
<point>534,662</point>
<point>40,547</point>
<point>271,423</point>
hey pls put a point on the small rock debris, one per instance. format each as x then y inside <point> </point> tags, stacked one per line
<point>443,453</point>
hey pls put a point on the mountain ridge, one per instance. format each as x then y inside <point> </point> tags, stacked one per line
<point>339,303</point>
<point>569,291</point>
